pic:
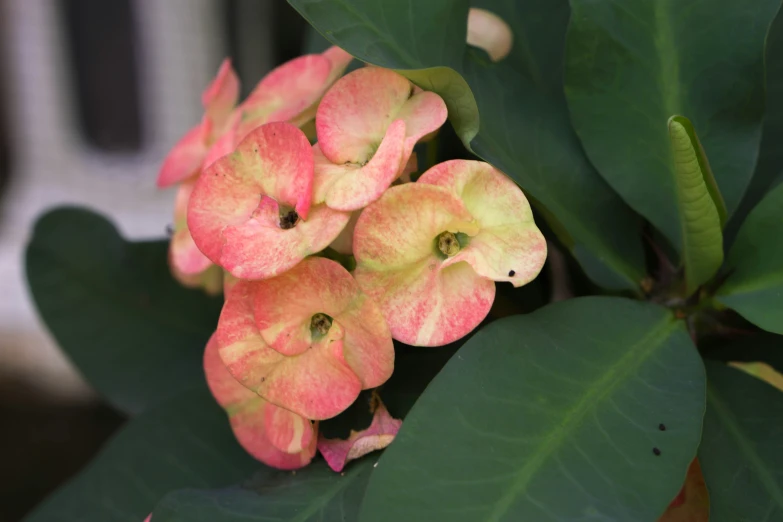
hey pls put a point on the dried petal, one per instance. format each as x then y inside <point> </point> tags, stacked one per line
<point>692,504</point>
<point>377,436</point>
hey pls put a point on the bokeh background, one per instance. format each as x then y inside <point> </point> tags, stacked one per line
<point>92,95</point>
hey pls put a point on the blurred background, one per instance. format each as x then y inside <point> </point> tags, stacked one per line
<point>92,95</point>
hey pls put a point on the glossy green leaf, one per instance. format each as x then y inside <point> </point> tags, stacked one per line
<point>740,449</point>
<point>551,416</point>
<point>632,64</point>
<point>769,168</point>
<point>132,331</point>
<point>312,494</point>
<point>183,442</point>
<point>701,208</point>
<point>754,287</point>
<point>512,113</point>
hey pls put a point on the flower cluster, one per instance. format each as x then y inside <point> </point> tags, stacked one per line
<point>300,336</point>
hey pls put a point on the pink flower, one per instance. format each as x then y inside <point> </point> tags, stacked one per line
<point>367,125</point>
<point>288,93</point>
<point>307,340</point>
<point>250,212</point>
<point>429,252</point>
<point>275,436</point>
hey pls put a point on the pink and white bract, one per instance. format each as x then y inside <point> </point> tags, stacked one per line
<point>307,340</point>
<point>367,125</point>
<point>429,252</point>
<point>288,93</point>
<point>273,435</point>
<point>188,265</point>
<point>377,436</point>
<point>250,211</point>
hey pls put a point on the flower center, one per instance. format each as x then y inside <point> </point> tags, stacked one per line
<point>320,324</point>
<point>448,244</point>
<point>288,218</point>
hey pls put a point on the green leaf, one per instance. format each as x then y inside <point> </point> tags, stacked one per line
<point>740,449</point>
<point>769,168</point>
<point>754,287</point>
<point>132,331</point>
<point>630,65</point>
<point>182,442</point>
<point>550,416</point>
<point>700,205</point>
<point>315,493</point>
<point>512,113</point>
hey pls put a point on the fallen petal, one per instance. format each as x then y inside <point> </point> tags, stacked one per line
<point>377,436</point>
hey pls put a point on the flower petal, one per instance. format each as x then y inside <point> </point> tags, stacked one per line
<point>400,228</point>
<point>354,114</point>
<point>287,91</point>
<point>287,431</point>
<point>367,344</point>
<point>184,255</point>
<point>351,187</point>
<point>425,301</point>
<point>249,424</point>
<point>253,419</point>
<point>287,303</point>
<point>343,243</point>
<point>488,31</point>
<point>377,436</point>
<point>427,305</point>
<point>317,384</point>
<point>220,97</point>
<point>185,158</point>
<point>232,209</point>
<point>242,349</point>
<point>509,245</point>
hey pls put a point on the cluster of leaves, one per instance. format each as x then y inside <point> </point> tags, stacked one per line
<point>645,132</point>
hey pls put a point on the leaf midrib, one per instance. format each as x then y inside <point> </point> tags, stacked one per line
<point>614,377</point>
<point>728,421</point>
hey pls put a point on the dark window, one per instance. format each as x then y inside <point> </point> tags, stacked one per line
<point>101,38</point>
<point>249,47</point>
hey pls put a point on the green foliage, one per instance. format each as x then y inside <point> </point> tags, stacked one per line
<point>631,65</point>
<point>313,494</point>
<point>740,449</point>
<point>182,442</point>
<point>590,408</point>
<point>115,309</point>
<point>512,114</point>
<point>569,398</point>
<point>755,285</point>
